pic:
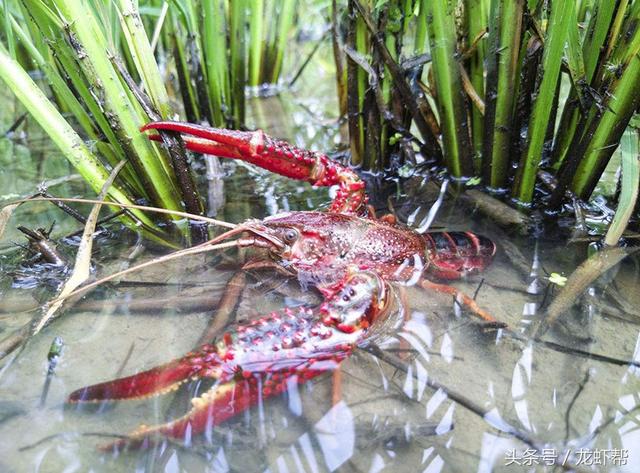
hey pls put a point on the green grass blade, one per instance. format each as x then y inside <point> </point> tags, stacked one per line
<point>614,31</point>
<point>612,117</point>
<point>214,47</point>
<point>592,53</point>
<point>356,85</point>
<point>420,44</point>
<point>285,22</point>
<point>575,62</point>
<point>186,31</point>
<point>72,146</point>
<point>596,34</point>
<point>189,95</point>
<point>58,85</point>
<point>238,56</point>
<point>8,30</point>
<point>42,19</point>
<point>628,189</point>
<point>118,102</point>
<point>477,20</point>
<point>138,45</point>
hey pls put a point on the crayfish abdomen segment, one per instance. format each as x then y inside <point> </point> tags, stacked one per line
<point>453,254</point>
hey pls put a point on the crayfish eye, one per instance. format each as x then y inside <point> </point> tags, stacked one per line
<point>290,235</point>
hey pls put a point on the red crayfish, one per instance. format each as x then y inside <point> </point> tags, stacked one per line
<point>348,254</point>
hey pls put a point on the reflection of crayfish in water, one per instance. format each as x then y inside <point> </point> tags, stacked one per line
<point>347,253</point>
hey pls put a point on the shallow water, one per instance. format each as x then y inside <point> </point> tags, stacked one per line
<point>444,395</point>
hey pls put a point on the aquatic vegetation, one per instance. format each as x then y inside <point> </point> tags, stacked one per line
<point>425,89</point>
<point>494,92</point>
<point>507,88</point>
<point>99,61</point>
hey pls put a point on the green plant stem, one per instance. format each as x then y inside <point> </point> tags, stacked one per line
<point>449,90</point>
<point>143,57</point>
<point>285,21</point>
<point>238,70</point>
<point>339,60</point>
<point>589,152</point>
<point>421,45</point>
<point>624,101</point>
<point>355,89</point>
<point>256,30</point>
<point>595,36</point>
<point>214,47</point>
<point>539,121</point>
<point>187,92</point>
<point>477,22</point>
<point>500,118</point>
<point>124,111</point>
<point>575,62</point>
<point>8,30</point>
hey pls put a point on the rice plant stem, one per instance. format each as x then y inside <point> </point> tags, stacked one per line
<point>338,58</point>
<point>374,82</point>
<point>575,63</point>
<point>592,52</point>
<point>143,57</point>
<point>420,45</point>
<point>214,47</point>
<point>614,31</point>
<point>189,97</point>
<point>256,31</point>
<point>177,153</point>
<point>354,117</point>
<point>99,70</point>
<point>500,128</point>
<point>477,24</point>
<point>538,124</point>
<point>237,47</point>
<point>60,131</point>
<point>8,30</point>
<point>624,100</point>
<point>432,147</point>
<point>589,152</point>
<point>449,90</point>
<point>285,21</point>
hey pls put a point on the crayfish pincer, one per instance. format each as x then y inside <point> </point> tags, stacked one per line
<point>256,360</point>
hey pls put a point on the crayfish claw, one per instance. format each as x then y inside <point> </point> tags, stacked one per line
<point>272,154</point>
<point>154,382</point>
